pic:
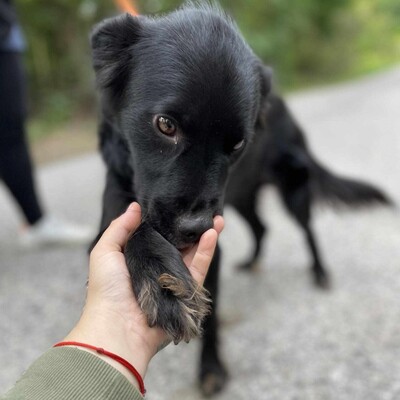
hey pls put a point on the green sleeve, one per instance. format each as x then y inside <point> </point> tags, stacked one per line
<point>67,373</point>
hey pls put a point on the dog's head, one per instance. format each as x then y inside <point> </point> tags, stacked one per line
<point>184,91</point>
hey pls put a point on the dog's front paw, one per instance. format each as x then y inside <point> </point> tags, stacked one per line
<point>180,306</point>
<point>166,292</point>
<point>213,375</point>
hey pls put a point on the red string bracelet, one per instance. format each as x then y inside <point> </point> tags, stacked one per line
<point>115,357</point>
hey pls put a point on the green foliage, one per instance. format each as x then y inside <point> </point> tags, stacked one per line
<point>313,41</point>
<point>58,54</point>
<point>306,41</point>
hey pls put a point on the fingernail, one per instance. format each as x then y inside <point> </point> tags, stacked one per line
<point>132,206</point>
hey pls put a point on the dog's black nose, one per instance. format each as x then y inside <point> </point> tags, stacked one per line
<point>191,228</point>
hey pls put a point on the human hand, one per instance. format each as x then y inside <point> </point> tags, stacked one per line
<point>112,318</point>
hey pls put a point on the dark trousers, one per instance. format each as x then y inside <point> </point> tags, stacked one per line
<point>15,161</point>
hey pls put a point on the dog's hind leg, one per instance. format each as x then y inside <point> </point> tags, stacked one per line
<point>213,375</point>
<point>248,210</point>
<point>298,202</point>
<point>321,277</point>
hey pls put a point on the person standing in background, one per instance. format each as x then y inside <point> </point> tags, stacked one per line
<point>16,169</point>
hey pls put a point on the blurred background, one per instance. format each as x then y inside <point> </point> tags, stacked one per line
<point>308,42</point>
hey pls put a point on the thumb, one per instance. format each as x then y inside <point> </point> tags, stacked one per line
<point>203,256</point>
<point>117,234</point>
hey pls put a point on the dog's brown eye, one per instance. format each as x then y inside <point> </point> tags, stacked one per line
<point>166,126</point>
<point>238,145</point>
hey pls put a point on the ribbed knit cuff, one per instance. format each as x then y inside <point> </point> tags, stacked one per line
<point>67,373</point>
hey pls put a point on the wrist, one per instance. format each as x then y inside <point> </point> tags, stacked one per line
<point>115,335</point>
<point>112,357</point>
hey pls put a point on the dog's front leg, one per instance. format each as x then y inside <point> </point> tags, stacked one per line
<point>164,288</point>
<point>213,374</point>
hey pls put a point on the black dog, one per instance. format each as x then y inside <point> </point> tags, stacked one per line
<point>279,156</point>
<point>180,97</point>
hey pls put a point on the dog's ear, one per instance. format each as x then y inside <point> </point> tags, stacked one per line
<point>265,90</point>
<point>112,42</point>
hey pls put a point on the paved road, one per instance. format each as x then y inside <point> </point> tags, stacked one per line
<point>282,339</point>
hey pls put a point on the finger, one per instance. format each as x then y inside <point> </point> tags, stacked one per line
<point>117,234</point>
<point>188,255</point>
<point>203,256</point>
<point>219,223</point>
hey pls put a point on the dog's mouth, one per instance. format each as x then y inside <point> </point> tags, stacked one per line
<point>181,245</point>
<point>185,247</point>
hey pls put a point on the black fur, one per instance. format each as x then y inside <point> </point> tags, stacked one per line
<point>280,156</point>
<point>194,67</point>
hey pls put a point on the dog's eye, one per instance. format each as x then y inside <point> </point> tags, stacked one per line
<point>166,126</point>
<point>238,145</point>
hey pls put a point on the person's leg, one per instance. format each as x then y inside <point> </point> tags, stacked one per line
<point>15,161</point>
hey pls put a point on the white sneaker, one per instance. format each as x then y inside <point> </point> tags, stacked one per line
<point>51,230</point>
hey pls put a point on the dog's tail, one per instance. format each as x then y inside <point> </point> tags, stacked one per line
<point>295,164</point>
<point>340,191</point>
